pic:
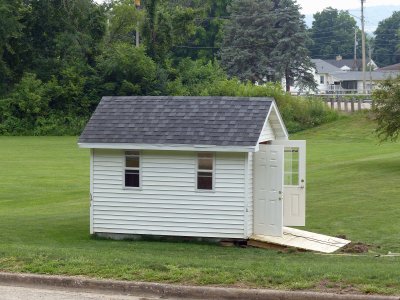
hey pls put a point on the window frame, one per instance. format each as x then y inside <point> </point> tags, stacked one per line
<point>321,79</point>
<point>139,169</point>
<point>197,170</point>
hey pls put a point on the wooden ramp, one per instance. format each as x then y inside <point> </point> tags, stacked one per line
<point>302,240</point>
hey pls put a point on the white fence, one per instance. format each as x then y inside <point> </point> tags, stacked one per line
<point>348,104</point>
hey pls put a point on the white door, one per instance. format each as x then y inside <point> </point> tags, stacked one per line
<point>268,187</point>
<point>294,190</point>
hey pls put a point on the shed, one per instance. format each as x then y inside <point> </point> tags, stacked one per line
<point>216,167</point>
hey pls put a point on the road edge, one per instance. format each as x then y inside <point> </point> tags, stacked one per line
<point>172,290</point>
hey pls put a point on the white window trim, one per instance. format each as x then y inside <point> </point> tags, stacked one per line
<point>199,170</point>
<point>130,168</point>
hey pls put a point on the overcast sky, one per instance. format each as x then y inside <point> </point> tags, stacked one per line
<point>312,6</point>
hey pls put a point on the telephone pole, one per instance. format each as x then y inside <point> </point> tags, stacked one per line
<point>370,68</point>
<point>363,44</point>
<point>137,5</point>
<point>355,64</point>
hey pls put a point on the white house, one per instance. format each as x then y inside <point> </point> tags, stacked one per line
<point>322,76</point>
<point>353,82</point>
<point>336,77</point>
<point>217,167</point>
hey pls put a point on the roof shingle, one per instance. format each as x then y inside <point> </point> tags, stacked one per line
<point>219,121</point>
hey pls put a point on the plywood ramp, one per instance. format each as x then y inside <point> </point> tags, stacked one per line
<point>303,240</point>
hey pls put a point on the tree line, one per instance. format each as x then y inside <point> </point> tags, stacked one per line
<point>58,57</point>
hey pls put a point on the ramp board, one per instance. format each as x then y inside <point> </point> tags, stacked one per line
<point>304,240</point>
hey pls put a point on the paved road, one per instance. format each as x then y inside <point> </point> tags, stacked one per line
<point>28,293</point>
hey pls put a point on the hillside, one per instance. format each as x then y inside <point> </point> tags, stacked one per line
<point>352,190</point>
<point>351,182</point>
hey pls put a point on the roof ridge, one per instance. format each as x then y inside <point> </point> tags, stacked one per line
<point>215,98</point>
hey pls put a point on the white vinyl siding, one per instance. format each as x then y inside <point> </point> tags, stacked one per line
<point>276,126</point>
<point>168,202</point>
<point>267,133</point>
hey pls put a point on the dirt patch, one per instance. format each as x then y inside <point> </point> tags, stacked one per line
<point>356,247</point>
<point>328,286</point>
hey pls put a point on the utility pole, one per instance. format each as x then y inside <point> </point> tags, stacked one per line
<point>137,5</point>
<point>355,65</point>
<point>370,68</point>
<point>363,44</point>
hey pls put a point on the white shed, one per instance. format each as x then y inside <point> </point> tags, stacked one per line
<point>218,167</point>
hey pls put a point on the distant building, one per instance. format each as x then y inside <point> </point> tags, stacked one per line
<point>350,64</point>
<point>343,76</point>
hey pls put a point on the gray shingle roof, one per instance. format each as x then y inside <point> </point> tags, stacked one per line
<point>395,67</point>
<point>345,62</point>
<point>358,76</point>
<point>324,67</point>
<point>220,121</point>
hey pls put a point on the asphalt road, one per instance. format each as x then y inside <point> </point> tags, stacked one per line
<point>28,293</point>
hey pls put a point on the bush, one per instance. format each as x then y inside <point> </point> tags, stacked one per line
<point>387,109</point>
<point>62,105</point>
<point>298,113</point>
<point>30,109</point>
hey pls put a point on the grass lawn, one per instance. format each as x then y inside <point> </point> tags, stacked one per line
<point>353,189</point>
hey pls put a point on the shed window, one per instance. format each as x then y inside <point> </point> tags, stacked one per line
<point>322,79</point>
<point>132,169</point>
<point>205,171</point>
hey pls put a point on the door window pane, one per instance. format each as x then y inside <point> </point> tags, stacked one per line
<point>291,176</point>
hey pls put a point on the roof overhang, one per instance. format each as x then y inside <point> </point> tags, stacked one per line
<point>168,147</point>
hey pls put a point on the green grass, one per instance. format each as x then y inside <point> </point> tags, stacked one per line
<point>353,189</point>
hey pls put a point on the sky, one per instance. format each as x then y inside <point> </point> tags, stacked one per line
<point>313,6</point>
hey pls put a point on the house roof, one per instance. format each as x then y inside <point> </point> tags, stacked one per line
<point>323,67</point>
<point>395,67</point>
<point>358,76</point>
<point>217,121</point>
<point>345,62</point>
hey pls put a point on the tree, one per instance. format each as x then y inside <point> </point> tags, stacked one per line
<point>123,22</point>
<point>167,26</point>
<point>290,51</point>
<point>58,34</point>
<point>10,31</point>
<point>25,104</point>
<point>267,40</point>
<point>248,40</point>
<point>387,41</point>
<point>126,70</point>
<point>195,77</point>
<point>332,33</point>
<point>387,109</point>
<point>211,17</point>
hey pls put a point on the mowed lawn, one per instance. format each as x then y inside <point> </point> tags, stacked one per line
<point>353,189</point>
